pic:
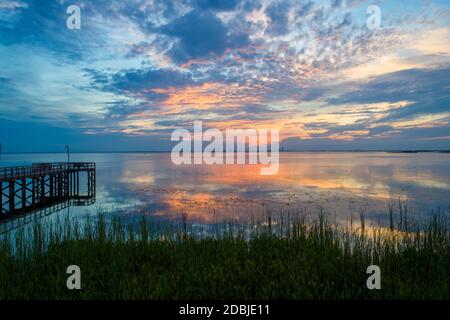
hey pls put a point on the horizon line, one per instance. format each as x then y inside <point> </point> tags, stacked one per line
<point>280,151</point>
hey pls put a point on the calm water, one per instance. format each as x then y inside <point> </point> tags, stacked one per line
<point>342,184</point>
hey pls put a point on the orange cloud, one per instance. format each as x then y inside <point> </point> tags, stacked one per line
<point>209,95</point>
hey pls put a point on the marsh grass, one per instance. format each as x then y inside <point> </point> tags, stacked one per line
<point>287,257</point>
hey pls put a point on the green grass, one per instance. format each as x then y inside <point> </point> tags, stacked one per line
<point>298,259</point>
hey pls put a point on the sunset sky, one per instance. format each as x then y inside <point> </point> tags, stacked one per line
<point>137,70</point>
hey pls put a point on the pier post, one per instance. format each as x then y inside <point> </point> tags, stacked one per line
<point>33,192</point>
<point>78,183</point>
<point>51,186</point>
<point>11,197</point>
<point>24,193</point>
<point>66,184</point>
<point>42,183</point>
<point>59,177</point>
<point>89,177</point>
<point>70,185</point>
<point>1,198</point>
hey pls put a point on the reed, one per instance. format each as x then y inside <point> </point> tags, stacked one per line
<point>292,257</point>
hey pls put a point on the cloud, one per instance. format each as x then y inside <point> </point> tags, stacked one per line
<point>410,139</point>
<point>278,14</point>
<point>139,81</point>
<point>218,5</point>
<point>30,136</point>
<point>200,35</point>
<point>134,80</point>
<point>428,89</point>
<point>12,5</point>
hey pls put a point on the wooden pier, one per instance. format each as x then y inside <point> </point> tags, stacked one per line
<point>42,185</point>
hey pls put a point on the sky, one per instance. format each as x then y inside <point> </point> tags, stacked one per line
<point>137,70</point>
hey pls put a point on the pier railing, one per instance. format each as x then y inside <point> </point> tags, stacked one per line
<point>42,169</point>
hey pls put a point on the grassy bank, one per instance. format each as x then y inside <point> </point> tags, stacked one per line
<point>303,260</point>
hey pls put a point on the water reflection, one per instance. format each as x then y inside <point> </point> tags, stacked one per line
<point>340,183</point>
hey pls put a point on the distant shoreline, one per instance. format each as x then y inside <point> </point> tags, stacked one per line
<point>285,151</point>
